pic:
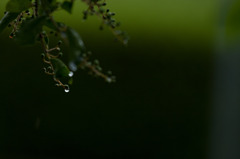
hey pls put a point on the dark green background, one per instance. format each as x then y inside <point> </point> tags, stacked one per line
<point>159,107</point>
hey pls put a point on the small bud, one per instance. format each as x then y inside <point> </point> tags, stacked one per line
<point>58,85</point>
<point>44,33</point>
<point>109,80</point>
<point>44,69</point>
<point>92,12</point>
<point>99,68</point>
<point>49,69</point>
<point>85,12</point>
<point>104,4</point>
<point>107,10</point>
<point>113,26</point>
<point>58,48</point>
<point>101,10</point>
<point>11,35</point>
<point>109,72</point>
<point>108,17</point>
<point>42,55</point>
<point>60,54</point>
<point>96,62</point>
<point>59,42</point>
<point>84,17</point>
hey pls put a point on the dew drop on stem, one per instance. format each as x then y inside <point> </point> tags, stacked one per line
<point>66,90</point>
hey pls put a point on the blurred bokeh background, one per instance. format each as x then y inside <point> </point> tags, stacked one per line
<point>161,106</point>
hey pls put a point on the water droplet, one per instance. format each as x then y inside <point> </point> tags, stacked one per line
<point>66,88</point>
<point>70,74</point>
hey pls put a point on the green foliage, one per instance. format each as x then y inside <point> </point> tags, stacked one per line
<point>28,18</point>
<point>67,5</point>
<point>60,69</point>
<point>18,6</point>
<point>233,20</point>
<point>29,30</point>
<point>8,17</point>
<point>76,48</point>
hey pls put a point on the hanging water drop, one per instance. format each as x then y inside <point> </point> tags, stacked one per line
<point>70,74</point>
<point>66,88</point>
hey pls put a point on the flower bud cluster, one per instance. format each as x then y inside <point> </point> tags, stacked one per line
<point>95,69</point>
<point>96,7</point>
<point>17,22</point>
<point>49,54</point>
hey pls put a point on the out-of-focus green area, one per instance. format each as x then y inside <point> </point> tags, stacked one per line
<point>184,20</point>
<point>158,108</point>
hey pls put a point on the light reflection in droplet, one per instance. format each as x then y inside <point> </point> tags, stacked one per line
<point>66,90</point>
<point>70,74</point>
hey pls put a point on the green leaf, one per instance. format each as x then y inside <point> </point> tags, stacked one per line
<point>48,6</point>
<point>29,30</point>
<point>8,17</point>
<point>233,21</point>
<point>50,24</point>
<point>17,6</point>
<point>76,47</point>
<point>60,69</point>
<point>74,42</point>
<point>67,6</point>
